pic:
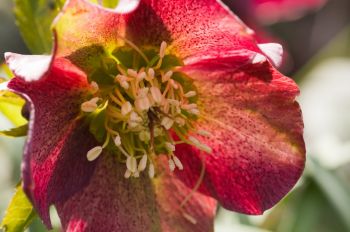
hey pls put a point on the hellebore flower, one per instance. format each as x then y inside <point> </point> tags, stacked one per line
<point>144,115</point>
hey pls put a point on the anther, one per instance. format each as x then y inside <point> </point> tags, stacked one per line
<point>162,49</point>
<point>167,123</point>
<point>131,164</point>
<point>190,94</point>
<point>167,76</point>
<point>170,147</point>
<point>143,163</point>
<point>171,165</point>
<point>127,174</point>
<point>90,106</point>
<point>94,153</point>
<point>132,73</point>
<point>117,141</point>
<point>94,87</point>
<point>126,108</point>
<point>151,73</point>
<point>151,170</point>
<point>156,94</point>
<point>178,163</point>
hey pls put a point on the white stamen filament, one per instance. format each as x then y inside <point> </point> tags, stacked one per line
<point>94,153</point>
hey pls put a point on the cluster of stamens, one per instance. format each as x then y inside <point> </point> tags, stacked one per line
<point>143,108</point>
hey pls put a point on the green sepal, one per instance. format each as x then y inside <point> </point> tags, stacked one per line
<point>19,214</point>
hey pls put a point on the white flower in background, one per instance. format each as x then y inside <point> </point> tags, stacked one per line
<point>325,101</point>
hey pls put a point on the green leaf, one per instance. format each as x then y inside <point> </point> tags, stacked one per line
<point>34,18</point>
<point>11,107</point>
<point>19,214</point>
<point>16,132</point>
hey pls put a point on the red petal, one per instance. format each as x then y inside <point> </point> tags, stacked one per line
<point>54,164</point>
<point>113,203</point>
<point>194,28</point>
<point>258,148</point>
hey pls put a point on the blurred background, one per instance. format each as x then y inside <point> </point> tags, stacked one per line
<point>316,38</point>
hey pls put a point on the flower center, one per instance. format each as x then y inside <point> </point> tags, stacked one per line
<point>136,114</point>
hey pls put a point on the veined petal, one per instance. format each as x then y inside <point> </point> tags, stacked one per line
<point>150,207</point>
<point>54,164</point>
<point>256,126</point>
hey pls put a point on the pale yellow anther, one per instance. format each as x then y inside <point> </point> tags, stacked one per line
<point>156,94</point>
<point>194,111</point>
<point>173,84</point>
<point>94,153</point>
<point>167,76</point>
<point>144,136</point>
<point>143,163</point>
<point>167,123</point>
<point>142,103</point>
<point>132,73</point>
<point>189,106</point>
<point>173,102</point>
<point>171,165</point>
<point>136,174</point>
<point>180,121</point>
<point>127,174</point>
<point>141,76</point>
<point>151,73</point>
<point>170,147</point>
<point>126,108</point>
<point>205,133</point>
<point>131,164</point>
<point>134,120</point>
<point>178,163</point>
<point>124,84</point>
<point>162,49</point>
<point>190,94</point>
<point>90,106</point>
<point>151,170</point>
<point>94,87</point>
<point>117,141</point>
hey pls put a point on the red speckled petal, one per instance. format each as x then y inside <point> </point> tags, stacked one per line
<point>54,164</point>
<point>256,126</point>
<point>112,203</point>
<point>180,23</point>
<point>194,28</point>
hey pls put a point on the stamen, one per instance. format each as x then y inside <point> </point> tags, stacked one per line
<point>156,94</point>
<point>117,141</point>
<point>178,163</point>
<point>94,87</point>
<point>132,73</point>
<point>131,164</point>
<point>171,165</point>
<point>151,170</point>
<point>126,108</point>
<point>162,49</point>
<point>190,94</point>
<point>90,106</point>
<point>143,163</point>
<point>145,136</point>
<point>151,73</point>
<point>127,174</point>
<point>170,147</point>
<point>167,123</point>
<point>167,76</point>
<point>94,153</point>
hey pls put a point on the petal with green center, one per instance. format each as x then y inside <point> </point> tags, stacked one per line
<point>112,203</point>
<point>54,164</point>
<point>257,137</point>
